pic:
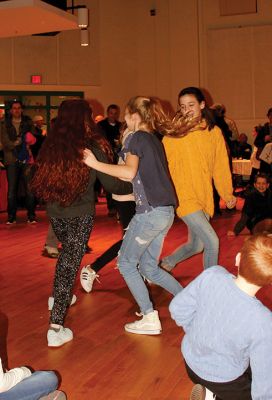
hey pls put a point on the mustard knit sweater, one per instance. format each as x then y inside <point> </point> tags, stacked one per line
<point>194,161</point>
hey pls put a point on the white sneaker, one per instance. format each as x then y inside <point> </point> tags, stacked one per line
<point>150,324</point>
<point>56,395</point>
<point>87,277</point>
<point>56,339</point>
<point>51,302</point>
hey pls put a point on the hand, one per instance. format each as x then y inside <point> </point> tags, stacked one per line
<point>232,203</point>
<point>230,233</point>
<point>89,158</point>
<point>18,141</point>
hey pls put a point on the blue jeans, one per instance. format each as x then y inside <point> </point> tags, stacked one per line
<point>139,255</point>
<point>39,384</point>
<point>201,236</point>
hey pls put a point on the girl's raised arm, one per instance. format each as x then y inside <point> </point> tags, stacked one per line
<point>125,172</point>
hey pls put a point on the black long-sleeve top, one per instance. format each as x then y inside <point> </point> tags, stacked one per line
<point>85,204</point>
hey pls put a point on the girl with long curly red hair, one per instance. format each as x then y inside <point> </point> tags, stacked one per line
<point>66,184</point>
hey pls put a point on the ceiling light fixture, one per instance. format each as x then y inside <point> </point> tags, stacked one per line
<point>82,17</point>
<point>84,37</point>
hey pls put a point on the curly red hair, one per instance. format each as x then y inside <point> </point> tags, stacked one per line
<point>59,173</point>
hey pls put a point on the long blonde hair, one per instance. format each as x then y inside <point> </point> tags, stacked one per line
<point>154,119</point>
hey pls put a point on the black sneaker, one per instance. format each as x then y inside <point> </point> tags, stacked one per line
<point>11,220</point>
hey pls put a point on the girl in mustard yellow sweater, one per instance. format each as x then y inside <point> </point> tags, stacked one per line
<point>194,160</point>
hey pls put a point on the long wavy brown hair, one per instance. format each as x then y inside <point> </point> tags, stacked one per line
<point>59,173</point>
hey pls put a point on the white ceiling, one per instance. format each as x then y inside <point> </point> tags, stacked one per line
<point>25,17</point>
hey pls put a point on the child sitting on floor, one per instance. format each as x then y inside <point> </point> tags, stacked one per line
<point>227,345</point>
<point>21,384</point>
<point>257,206</point>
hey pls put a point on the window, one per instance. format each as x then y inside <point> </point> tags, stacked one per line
<point>45,104</point>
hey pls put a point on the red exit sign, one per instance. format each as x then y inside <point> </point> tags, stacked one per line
<point>36,79</point>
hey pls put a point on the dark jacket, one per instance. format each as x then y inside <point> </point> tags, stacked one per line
<point>85,204</point>
<point>257,207</point>
<point>111,132</point>
<point>262,131</point>
<point>35,148</point>
<point>241,150</point>
<point>9,136</point>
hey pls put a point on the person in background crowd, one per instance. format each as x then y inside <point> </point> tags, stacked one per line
<point>257,205</point>
<point>17,132</point>
<point>110,127</point>
<point>255,163</point>
<point>266,159</point>
<point>1,153</point>
<point>263,138</point>
<point>230,122</point>
<point>241,149</point>
<point>264,133</point>
<point>219,118</point>
<point>39,133</point>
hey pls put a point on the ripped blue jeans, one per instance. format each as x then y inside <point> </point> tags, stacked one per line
<point>140,252</point>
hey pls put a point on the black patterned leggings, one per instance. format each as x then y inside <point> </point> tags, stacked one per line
<point>73,233</point>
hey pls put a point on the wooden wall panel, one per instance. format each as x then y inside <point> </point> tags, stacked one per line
<point>77,65</point>
<point>235,7</point>
<point>81,65</point>
<point>262,62</point>
<point>229,70</point>
<point>35,55</point>
<point>6,61</point>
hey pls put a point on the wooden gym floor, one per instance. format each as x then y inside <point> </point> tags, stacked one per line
<point>103,361</point>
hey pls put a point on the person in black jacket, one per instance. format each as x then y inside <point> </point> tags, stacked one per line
<point>264,132</point>
<point>66,185</point>
<point>242,149</point>
<point>14,130</point>
<point>257,206</point>
<point>110,127</point>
